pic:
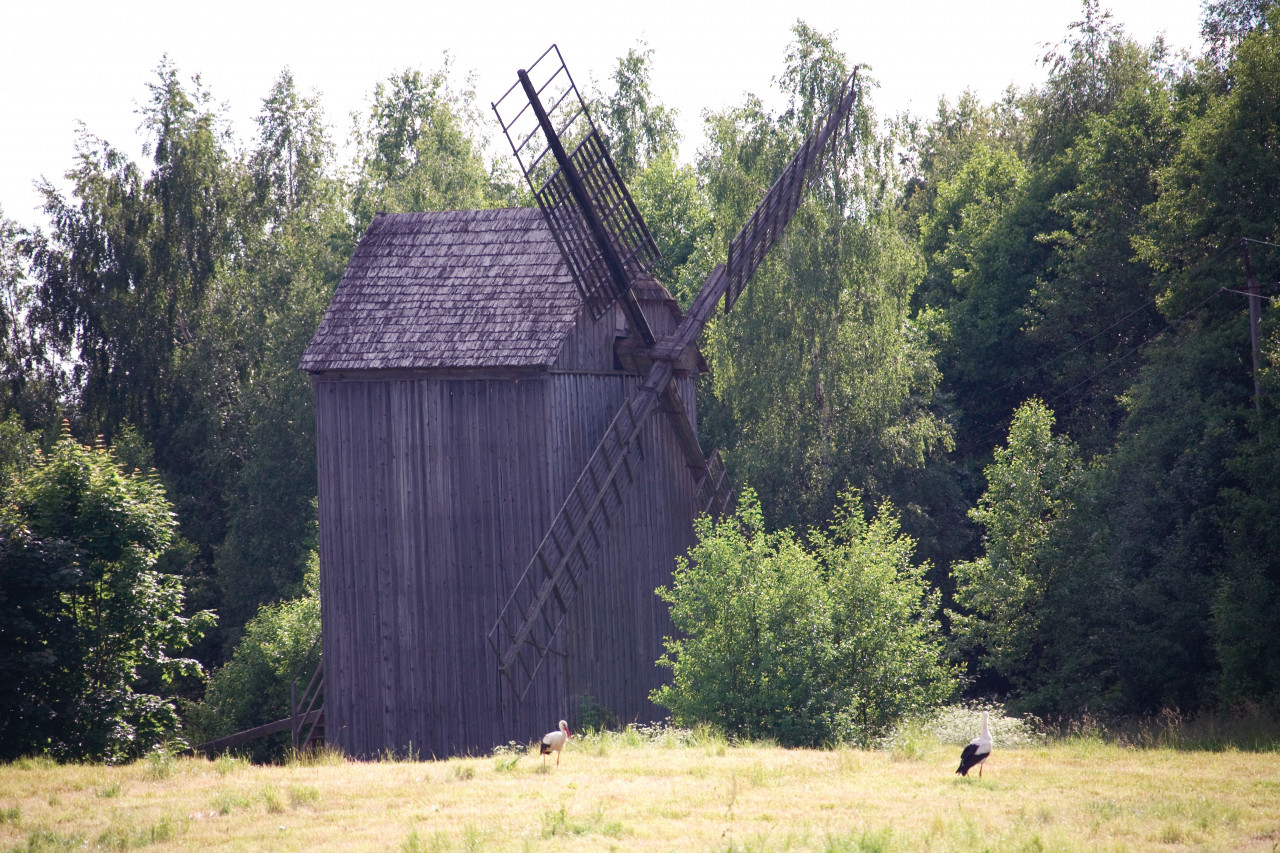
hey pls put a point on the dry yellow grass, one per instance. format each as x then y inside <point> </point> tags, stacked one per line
<point>615,792</point>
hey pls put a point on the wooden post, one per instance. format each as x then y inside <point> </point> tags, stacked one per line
<point>1255,314</point>
<point>293,712</point>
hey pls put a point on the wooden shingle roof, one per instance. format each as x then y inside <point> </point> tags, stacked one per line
<point>459,288</point>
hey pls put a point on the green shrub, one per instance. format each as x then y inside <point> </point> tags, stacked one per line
<point>160,763</point>
<point>594,716</point>
<point>91,623</point>
<point>280,644</point>
<point>806,644</point>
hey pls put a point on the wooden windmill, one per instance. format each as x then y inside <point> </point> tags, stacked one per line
<point>607,245</point>
<point>484,384</point>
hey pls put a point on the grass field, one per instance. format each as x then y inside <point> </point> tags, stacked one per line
<point>664,790</point>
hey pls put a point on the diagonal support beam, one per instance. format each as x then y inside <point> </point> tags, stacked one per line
<point>552,577</point>
<point>748,249</point>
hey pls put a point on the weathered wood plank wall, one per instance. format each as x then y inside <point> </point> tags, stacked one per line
<point>414,544</point>
<point>617,624</point>
<point>433,495</point>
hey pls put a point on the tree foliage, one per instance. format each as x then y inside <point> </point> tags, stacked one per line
<point>1031,487</point>
<point>806,644</point>
<point>418,149</point>
<point>1227,22</point>
<point>823,374</point>
<point>1146,585</point>
<point>296,246</point>
<point>87,619</point>
<point>638,127</point>
<point>280,648</point>
<point>31,383</point>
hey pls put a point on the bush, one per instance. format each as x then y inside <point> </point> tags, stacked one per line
<point>833,641</point>
<point>86,617</point>
<point>1003,596</point>
<point>280,644</point>
<point>593,716</point>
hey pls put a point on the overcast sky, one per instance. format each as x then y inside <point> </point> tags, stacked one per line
<point>70,61</point>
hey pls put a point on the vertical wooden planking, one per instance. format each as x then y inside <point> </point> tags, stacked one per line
<point>414,608</point>
<point>408,609</point>
<point>333,611</point>
<point>383,575</point>
<point>455,435</point>
<point>353,491</point>
<point>364,535</point>
<point>441,545</point>
<point>589,345</point>
<point>613,652</point>
<point>483,461</point>
<point>447,486</point>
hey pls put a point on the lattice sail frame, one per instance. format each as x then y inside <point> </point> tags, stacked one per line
<point>534,612</point>
<point>762,230</point>
<point>558,96</point>
<point>536,608</point>
<point>713,494</point>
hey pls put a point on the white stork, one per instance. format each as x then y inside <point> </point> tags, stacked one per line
<point>978,750</point>
<point>555,741</point>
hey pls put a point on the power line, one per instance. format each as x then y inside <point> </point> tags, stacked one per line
<point>1112,361</point>
<point>1247,293</point>
<point>1061,356</point>
<point>1146,341</point>
<point>1259,242</point>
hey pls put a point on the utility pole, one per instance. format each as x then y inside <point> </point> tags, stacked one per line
<point>1255,314</point>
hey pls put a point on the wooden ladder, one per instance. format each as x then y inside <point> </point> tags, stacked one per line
<point>306,719</point>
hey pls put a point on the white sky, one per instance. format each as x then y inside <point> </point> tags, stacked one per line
<point>69,61</point>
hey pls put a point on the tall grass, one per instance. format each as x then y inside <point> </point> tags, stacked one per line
<point>660,734</point>
<point>159,763</point>
<point>1246,728</point>
<point>559,821</point>
<point>123,834</point>
<point>664,788</point>
<point>321,756</point>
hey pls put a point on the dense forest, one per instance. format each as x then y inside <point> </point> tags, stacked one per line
<point>1023,330</point>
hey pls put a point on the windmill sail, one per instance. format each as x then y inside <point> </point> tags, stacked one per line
<point>766,225</point>
<point>528,623</point>
<point>599,230</point>
<point>535,610</point>
<point>715,494</point>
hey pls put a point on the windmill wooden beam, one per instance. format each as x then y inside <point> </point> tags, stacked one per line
<point>572,541</point>
<point>586,204</point>
<point>748,249</point>
<point>536,608</point>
